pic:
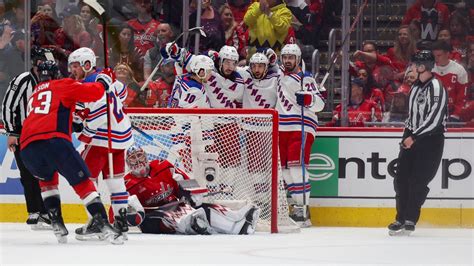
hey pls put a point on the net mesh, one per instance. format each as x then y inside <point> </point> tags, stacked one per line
<point>230,154</point>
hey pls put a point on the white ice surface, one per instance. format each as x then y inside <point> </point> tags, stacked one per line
<point>328,245</point>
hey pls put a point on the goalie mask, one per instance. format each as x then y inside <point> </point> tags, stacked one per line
<point>258,65</point>
<point>137,162</point>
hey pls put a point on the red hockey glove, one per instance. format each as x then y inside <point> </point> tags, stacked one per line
<point>304,98</point>
<point>85,139</point>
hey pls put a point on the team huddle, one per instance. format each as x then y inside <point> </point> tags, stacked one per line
<point>154,195</point>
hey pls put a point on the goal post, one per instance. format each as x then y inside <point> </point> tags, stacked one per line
<point>233,152</point>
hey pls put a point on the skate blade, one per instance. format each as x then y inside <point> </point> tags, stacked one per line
<point>91,237</point>
<point>116,240</point>
<point>41,227</point>
<point>125,236</point>
<point>62,239</point>
<point>401,232</point>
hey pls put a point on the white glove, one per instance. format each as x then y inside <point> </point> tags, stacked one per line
<point>197,199</point>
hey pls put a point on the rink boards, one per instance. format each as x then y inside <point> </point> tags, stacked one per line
<point>351,173</point>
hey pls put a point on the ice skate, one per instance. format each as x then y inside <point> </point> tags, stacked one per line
<point>57,223</point>
<point>297,214</point>
<point>39,221</point>
<point>98,228</point>
<point>120,223</point>
<point>396,229</point>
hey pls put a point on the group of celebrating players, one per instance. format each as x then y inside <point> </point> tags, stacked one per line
<point>156,196</point>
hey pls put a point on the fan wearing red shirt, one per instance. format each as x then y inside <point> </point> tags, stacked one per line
<point>46,147</point>
<point>431,15</point>
<point>145,27</point>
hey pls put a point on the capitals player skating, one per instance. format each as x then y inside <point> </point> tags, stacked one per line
<point>46,147</point>
<point>292,94</point>
<point>160,204</point>
<point>82,63</point>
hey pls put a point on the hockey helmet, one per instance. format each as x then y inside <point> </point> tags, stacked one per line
<point>259,58</point>
<point>291,49</point>
<point>38,54</point>
<point>137,161</point>
<point>228,52</point>
<point>48,70</point>
<point>201,62</point>
<point>82,56</point>
<point>424,57</point>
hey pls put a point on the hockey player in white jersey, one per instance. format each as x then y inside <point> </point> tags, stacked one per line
<point>225,87</point>
<point>292,94</point>
<point>189,89</point>
<point>82,64</point>
<point>261,82</point>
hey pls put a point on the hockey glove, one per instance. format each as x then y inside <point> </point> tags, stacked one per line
<point>272,56</point>
<point>213,55</point>
<point>304,98</point>
<point>173,50</point>
<point>106,77</point>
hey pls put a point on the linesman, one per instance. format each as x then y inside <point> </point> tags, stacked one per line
<point>422,144</point>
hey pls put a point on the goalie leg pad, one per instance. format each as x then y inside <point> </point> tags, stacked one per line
<point>226,221</point>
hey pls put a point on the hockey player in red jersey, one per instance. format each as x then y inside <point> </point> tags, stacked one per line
<point>47,150</point>
<point>292,94</point>
<point>454,78</point>
<point>174,207</point>
<point>82,64</point>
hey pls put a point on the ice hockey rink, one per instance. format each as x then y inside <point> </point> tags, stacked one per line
<point>317,245</point>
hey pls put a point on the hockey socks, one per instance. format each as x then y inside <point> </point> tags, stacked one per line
<point>119,194</point>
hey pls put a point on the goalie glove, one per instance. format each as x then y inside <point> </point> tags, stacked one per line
<point>304,98</point>
<point>192,192</point>
<point>135,211</point>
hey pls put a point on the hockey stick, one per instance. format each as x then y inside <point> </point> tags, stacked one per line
<point>161,59</point>
<point>101,11</point>
<point>303,166</point>
<point>177,158</point>
<point>334,56</point>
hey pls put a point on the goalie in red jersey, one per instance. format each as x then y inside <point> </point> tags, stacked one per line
<point>163,200</point>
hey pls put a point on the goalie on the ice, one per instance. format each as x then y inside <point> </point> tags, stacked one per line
<point>163,200</point>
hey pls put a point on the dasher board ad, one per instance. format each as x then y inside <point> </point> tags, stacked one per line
<point>363,164</point>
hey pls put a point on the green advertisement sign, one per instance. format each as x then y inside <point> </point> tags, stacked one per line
<point>324,166</point>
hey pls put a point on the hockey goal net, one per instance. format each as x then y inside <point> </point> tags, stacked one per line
<point>234,153</point>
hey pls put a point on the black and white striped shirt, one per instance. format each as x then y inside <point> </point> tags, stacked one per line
<point>428,105</point>
<point>15,103</point>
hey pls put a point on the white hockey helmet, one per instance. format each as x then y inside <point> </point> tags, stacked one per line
<point>82,55</point>
<point>259,58</point>
<point>201,62</point>
<point>291,49</point>
<point>228,52</point>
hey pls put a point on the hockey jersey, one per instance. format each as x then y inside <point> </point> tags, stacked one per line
<point>96,121</point>
<point>224,92</point>
<point>157,189</point>
<point>50,108</point>
<point>454,78</point>
<point>145,34</point>
<point>260,94</point>
<point>188,93</point>
<point>288,109</point>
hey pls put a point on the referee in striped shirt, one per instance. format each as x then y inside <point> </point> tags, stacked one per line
<point>422,144</point>
<point>14,108</point>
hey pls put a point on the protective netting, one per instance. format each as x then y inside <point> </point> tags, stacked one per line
<point>230,154</point>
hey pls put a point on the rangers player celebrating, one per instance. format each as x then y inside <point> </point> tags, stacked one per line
<point>82,63</point>
<point>292,94</point>
<point>155,204</point>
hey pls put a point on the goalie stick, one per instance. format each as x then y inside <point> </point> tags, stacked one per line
<point>195,29</point>
<point>101,11</point>
<point>334,56</point>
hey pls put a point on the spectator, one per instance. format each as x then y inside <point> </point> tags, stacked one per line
<point>398,108</point>
<point>359,110</point>
<point>445,35</point>
<point>91,22</point>
<point>153,56</point>
<point>239,8</point>
<point>453,77</point>
<point>371,92</point>
<point>460,34</point>
<point>135,98</point>
<point>369,58</point>
<point>17,21</point>
<point>431,16</point>
<point>124,51</point>
<point>467,111</point>
<point>161,88</point>
<point>404,88</point>
<point>212,26</point>
<point>71,36</point>
<point>48,9</point>
<point>268,22</point>
<point>401,52</point>
<point>144,27</point>
<point>234,32</point>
